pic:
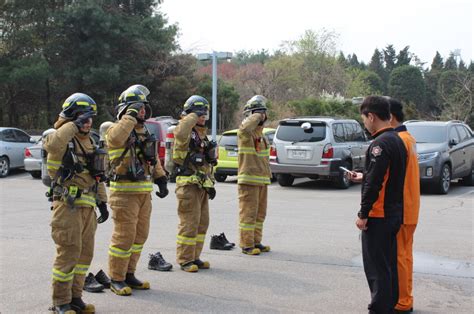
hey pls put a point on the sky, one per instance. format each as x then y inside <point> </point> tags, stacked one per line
<point>362,25</point>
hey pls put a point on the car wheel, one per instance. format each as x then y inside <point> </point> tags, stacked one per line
<point>36,174</point>
<point>273,178</point>
<point>220,177</point>
<point>342,181</point>
<point>4,167</point>
<point>468,180</point>
<point>285,179</point>
<point>442,186</point>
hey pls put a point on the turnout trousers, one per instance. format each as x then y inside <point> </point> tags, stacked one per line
<point>379,253</point>
<point>131,214</point>
<point>193,212</point>
<point>405,267</point>
<point>252,212</point>
<point>73,232</point>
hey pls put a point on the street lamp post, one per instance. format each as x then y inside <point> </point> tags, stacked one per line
<point>214,56</point>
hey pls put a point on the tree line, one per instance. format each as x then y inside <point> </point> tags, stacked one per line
<point>51,49</point>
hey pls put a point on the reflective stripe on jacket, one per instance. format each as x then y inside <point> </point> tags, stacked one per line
<point>254,152</point>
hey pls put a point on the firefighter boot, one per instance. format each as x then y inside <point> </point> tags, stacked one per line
<point>251,251</point>
<point>120,288</point>
<point>202,264</point>
<point>92,285</point>
<point>134,283</point>
<point>80,307</point>
<point>190,267</point>
<point>263,248</point>
<point>157,262</point>
<point>224,238</point>
<point>103,279</point>
<point>63,309</point>
<point>218,243</point>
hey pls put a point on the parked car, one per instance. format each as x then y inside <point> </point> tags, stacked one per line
<point>13,142</point>
<point>315,148</point>
<point>33,160</point>
<point>445,152</point>
<point>227,161</point>
<point>158,126</point>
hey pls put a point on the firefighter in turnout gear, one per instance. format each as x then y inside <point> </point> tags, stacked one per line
<point>194,156</point>
<point>132,156</point>
<point>253,176</point>
<point>76,168</point>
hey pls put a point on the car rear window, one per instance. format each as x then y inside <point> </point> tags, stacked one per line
<point>427,133</point>
<point>228,139</point>
<point>291,131</point>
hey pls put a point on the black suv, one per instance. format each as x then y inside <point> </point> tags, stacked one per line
<point>445,152</point>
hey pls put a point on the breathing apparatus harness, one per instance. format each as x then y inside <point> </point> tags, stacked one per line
<point>199,152</point>
<point>146,157</point>
<point>70,166</point>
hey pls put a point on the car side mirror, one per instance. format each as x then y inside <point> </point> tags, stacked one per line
<point>453,142</point>
<point>32,140</point>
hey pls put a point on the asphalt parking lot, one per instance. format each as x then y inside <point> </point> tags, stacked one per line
<point>314,265</point>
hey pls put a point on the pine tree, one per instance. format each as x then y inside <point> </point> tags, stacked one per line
<point>403,57</point>
<point>451,63</point>
<point>353,61</point>
<point>437,64</point>
<point>341,60</point>
<point>376,65</point>
<point>390,57</point>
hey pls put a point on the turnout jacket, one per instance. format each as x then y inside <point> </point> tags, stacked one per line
<point>56,145</point>
<point>254,153</point>
<point>186,131</point>
<point>384,176</point>
<point>117,139</point>
<point>411,190</point>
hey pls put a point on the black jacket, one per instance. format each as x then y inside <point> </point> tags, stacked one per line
<point>384,176</point>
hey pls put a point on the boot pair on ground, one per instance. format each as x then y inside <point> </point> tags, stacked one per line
<point>256,250</point>
<point>122,288</point>
<point>100,281</point>
<point>76,306</point>
<point>195,266</point>
<point>220,242</point>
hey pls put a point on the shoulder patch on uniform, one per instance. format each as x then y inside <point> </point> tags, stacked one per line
<point>376,151</point>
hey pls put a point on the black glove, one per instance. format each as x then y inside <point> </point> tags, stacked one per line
<point>211,192</point>
<point>134,109</point>
<point>104,213</point>
<point>162,183</point>
<point>83,119</point>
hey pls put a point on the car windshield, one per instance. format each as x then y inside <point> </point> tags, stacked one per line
<point>228,139</point>
<point>292,132</point>
<point>427,133</point>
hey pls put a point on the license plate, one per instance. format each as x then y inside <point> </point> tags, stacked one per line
<point>298,154</point>
<point>231,154</point>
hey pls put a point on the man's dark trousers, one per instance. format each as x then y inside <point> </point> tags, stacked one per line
<point>379,252</point>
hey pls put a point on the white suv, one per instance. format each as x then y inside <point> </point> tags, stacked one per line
<point>315,147</point>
